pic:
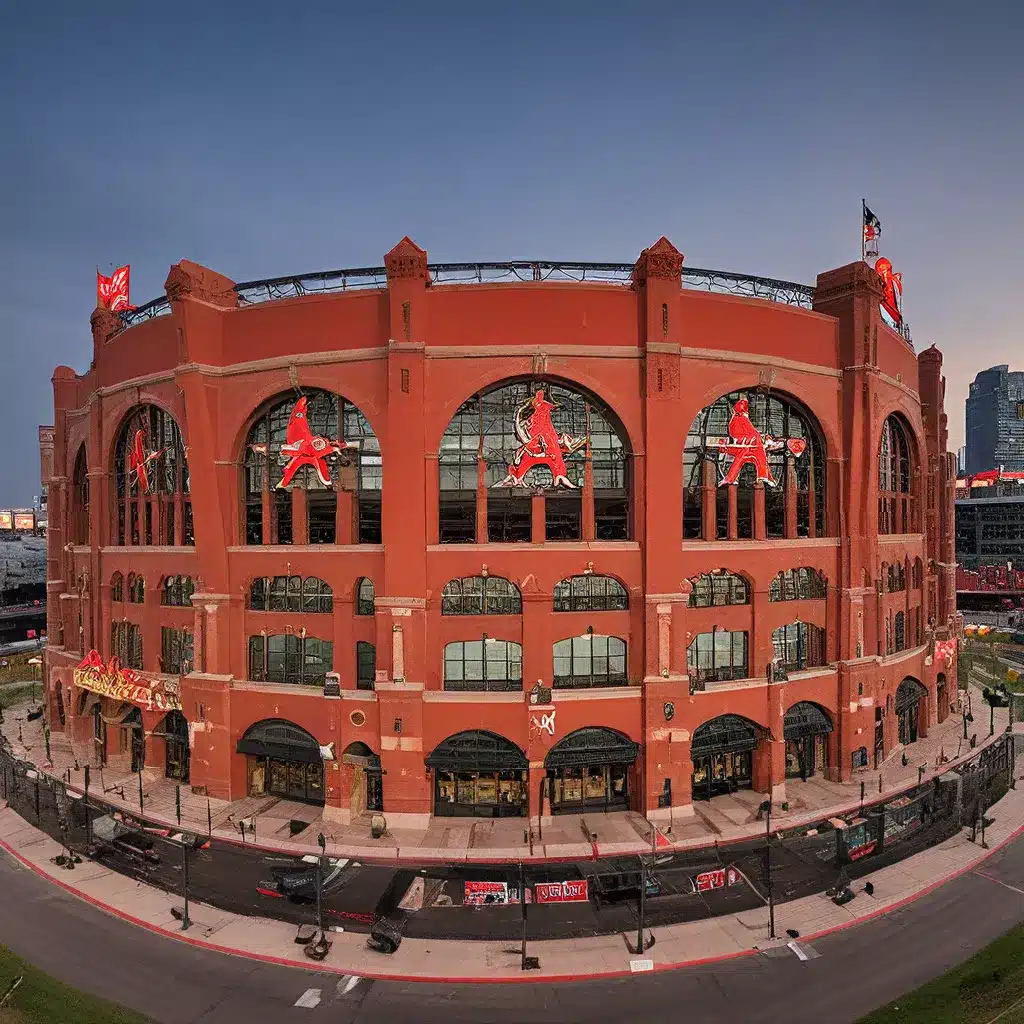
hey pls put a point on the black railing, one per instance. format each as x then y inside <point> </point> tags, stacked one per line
<point>361,278</point>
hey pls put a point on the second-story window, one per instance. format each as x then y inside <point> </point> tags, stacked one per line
<point>897,578</point>
<point>366,665</point>
<point>136,589</point>
<point>716,589</point>
<point>899,629</point>
<point>176,650</point>
<point>486,664</point>
<point>799,645</point>
<point>117,587</point>
<point>126,644</point>
<point>897,509</point>
<point>80,499</point>
<point>803,584</point>
<point>287,658</point>
<point>582,662</point>
<point>177,592</point>
<point>717,656</point>
<point>481,595</point>
<point>365,600</point>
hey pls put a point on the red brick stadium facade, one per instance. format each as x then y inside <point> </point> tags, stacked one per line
<point>653,618</point>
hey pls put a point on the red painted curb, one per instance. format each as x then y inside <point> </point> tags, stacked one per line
<point>453,980</point>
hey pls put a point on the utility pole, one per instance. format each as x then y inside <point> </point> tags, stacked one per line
<point>319,887</point>
<point>185,922</point>
<point>522,903</point>
<point>766,806</point>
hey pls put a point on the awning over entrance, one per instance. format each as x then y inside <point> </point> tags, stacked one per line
<point>723,735</point>
<point>591,746</point>
<point>477,751</point>
<point>280,740</point>
<point>361,756</point>
<point>908,693</point>
<point>806,719</point>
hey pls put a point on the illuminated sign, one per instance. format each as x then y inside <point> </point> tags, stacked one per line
<point>24,521</point>
<point>891,306</point>
<point>561,892</point>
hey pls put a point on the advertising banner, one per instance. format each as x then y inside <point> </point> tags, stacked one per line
<point>561,892</point>
<point>479,894</point>
<point>711,880</point>
<point>24,521</point>
<point>111,680</point>
<point>6,520</point>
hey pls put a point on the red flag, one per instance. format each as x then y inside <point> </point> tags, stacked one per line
<point>112,292</point>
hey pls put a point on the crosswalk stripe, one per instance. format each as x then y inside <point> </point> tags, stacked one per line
<point>310,999</point>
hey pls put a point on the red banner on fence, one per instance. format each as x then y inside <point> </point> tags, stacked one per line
<point>561,892</point>
<point>481,893</point>
<point>711,880</point>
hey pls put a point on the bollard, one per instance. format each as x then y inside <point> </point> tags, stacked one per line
<point>142,809</point>
<point>209,819</point>
<point>185,922</point>
<point>88,827</point>
<point>177,802</point>
<point>879,782</point>
<point>862,797</point>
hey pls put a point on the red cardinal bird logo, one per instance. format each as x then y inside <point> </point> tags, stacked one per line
<point>139,460</point>
<point>303,448</point>
<point>541,444</point>
<point>746,445</point>
<point>112,292</point>
<point>892,285</point>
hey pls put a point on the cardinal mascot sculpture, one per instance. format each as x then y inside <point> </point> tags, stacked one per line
<point>541,444</point>
<point>303,448</point>
<point>747,445</point>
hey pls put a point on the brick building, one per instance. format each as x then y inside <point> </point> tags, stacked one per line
<point>482,541</point>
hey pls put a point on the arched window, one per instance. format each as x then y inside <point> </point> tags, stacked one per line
<point>716,657</point>
<point>342,486</point>
<point>717,589</point>
<point>365,599</point>
<point>366,665</point>
<point>288,658</point>
<point>486,664</point>
<point>481,595</point>
<point>136,589</point>
<point>80,499</point>
<point>917,574</point>
<point>803,584</point>
<point>798,645</point>
<point>117,587</point>
<point>537,433</point>
<point>311,595</point>
<point>897,512</point>
<point>152,481</point>
<point>177,592</point>
<point>794,491</point>
<point>581,662</point>
<point>589,593</point>
<point>899,628</point>
<point>126,644</point>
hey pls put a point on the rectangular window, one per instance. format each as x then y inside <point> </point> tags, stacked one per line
<point>717,656</point>
<point>282,513</point>
<point>611,518</point>
<point>562,517</point>
<point>323,510</point>
<point>126,644</point>
<point>366,665</point>
<point>457,521</point>
<point>176,651</point>
<point>287,658</point>
<point>509,519</point>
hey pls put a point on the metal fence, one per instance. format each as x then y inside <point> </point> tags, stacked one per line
<point>721,879</point>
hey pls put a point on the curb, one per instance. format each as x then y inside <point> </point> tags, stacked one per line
<point>490,980</point>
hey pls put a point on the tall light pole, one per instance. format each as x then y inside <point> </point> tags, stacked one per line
<point>766,807</point>
<point>319,887</point>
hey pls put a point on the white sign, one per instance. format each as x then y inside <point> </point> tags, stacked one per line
<point>545,722</point>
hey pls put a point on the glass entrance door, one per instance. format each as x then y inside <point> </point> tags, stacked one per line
<point>805,756</point>
<point>716,774</point>
<point>290,780</point>
<point>908,718</point>
<point>601,787</point>
<point>479,794</point>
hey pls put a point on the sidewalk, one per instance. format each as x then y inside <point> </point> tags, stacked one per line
<point>458,961</point>
<point>269,821</point>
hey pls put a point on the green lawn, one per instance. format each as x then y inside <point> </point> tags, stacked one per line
<point>39,999</point>
<point>988,986</point>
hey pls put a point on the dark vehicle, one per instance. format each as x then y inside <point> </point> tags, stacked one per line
<point>112,836</point>
<point>299,884</point>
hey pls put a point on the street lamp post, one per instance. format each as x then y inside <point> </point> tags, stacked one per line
<point>185,922</point>
<point>766,807</point>
<point>321,840</point>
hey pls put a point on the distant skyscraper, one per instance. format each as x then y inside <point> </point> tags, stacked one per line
<point>995,421</point>
<point>961,461</point>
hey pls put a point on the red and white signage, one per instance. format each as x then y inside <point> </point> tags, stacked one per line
<point>711,880</point>
<point>561,892</point>
<point>112,292</point>
<point>479,894</point>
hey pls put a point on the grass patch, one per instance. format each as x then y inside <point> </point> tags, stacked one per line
<point>39,999</point>
<point>19,669</point>
<point>976,992</point>
<point>11,695</point>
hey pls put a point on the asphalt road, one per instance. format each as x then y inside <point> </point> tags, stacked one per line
<point>857,969</point>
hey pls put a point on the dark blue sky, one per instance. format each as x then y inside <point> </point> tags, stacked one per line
<point>261,139</point>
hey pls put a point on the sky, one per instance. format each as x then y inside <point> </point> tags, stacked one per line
<point>265,139</point>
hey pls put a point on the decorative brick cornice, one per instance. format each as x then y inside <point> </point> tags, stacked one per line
<point>407,262</point>
<point>105,324</point>
<point>661,260</point>
<point>189,280</point>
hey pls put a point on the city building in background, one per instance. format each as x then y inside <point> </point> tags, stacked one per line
<point>995,421</point>
<point>501,539</point>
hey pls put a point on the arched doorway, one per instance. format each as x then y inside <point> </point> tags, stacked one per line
<point>589,770</point>
<point>909,695</point>
<point>367,793</point>
<point>806,728</point>
<point>722,752</point>
<point>283,760</point>
<point>479,774</point>
<point>132,721</point>
<point>176,756</point>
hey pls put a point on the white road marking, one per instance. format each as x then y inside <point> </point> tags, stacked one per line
<point>347,983</point>
<point>1005,885</point>
<point>636,966</point>
<point>803,952</point>
<point>310,999</point>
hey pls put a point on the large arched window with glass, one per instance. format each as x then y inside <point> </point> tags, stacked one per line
<point>177,591</point>
<point>321,487</point>
<point>897,511</point>
<point>485,664</point>
<point>717,656</point>
<point>528,435</point>
<point>311,595</point>
<point>803,584</point>
<point>798,645</point>
<point>584,662</point>
<point>290,658</point>
<point>744,436</point>
<point>80,499</point>
<point>589,593</point>
<point>717,589</point>
<point>153,505</point>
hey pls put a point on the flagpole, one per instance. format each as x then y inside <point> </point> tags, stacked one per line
<point>863,220</point>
